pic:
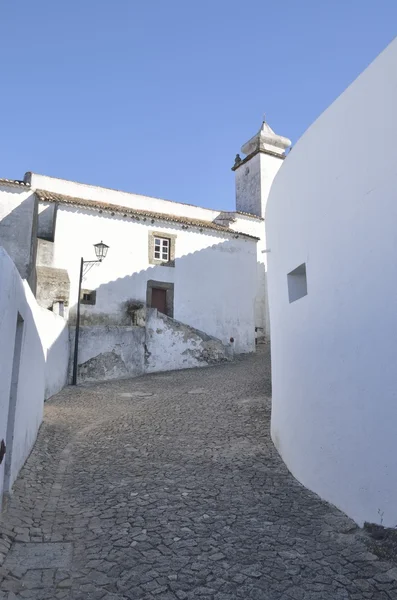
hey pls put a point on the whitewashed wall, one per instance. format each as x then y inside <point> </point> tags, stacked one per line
<point>171,345</point>
<point>18,208</point>
<point>160,344</point>
<point>54,335</point>
<point>108,352</point>
<point>253,182</point>
<point>16,297</point>
<point>333,206</point>
<point>214,274</point>
<point>256,226</point>
<point>247,194</point>
<point>44,354</point>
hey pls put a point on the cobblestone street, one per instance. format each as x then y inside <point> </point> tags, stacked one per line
<point>168,487</point>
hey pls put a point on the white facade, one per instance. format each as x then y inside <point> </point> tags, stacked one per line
<point>214,273</point>
<point>331,225</point>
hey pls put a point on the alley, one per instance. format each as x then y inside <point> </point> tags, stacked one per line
<point>168,487</point>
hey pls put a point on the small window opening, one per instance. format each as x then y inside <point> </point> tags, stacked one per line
<point>297,283</point>
<point>162,249</point>
<point>88,297</point>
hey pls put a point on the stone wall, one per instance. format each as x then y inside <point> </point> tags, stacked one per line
<point>172,345</point>
<point>162,344</point>
<point>52,286</point>
<point>108,352</point>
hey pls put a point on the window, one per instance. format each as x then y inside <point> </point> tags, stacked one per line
<point>88,297</point>
<point>162,249</point>
<point>297,283</point>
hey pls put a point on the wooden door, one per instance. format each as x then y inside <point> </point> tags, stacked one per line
<point>159,300</point>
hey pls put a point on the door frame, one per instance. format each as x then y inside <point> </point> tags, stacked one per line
<point>12,404</point>
<point>169,296</point>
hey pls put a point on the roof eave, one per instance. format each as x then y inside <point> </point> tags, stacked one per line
<point>45,196</point>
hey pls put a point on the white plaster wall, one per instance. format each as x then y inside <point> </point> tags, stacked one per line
<point>253,182</point>
<point>17,223</point>
<point>171,346</point>
<point>214,274</point>
<point>92,192</point>
<point>161,344</point>
<point>16,297</point>
<point>333,206</point>
<point>54,335</point>
<point>255,226</point>
<point>248,186</point>
<point>107,353</point>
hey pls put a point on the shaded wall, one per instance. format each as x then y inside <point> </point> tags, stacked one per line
<point>21,391</point>
<point>161,344</point>
<point>18,230</point>
<point>333,209</point>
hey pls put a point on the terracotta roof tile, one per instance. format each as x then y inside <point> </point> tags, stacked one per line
<point>47,196</point>
<point>14,182</point>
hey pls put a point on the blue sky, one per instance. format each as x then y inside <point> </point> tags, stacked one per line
<point>157,96</point>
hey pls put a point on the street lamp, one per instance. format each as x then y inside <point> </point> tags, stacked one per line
<point>101,251</point>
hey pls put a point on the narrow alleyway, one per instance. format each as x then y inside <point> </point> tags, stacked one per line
<point>168,487</point>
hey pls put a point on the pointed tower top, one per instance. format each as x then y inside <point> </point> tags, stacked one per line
<point>267,141</point>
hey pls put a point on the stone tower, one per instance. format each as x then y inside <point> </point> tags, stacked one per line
<point>254,174</point>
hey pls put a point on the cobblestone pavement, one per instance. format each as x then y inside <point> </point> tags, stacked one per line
<point>168,487</point>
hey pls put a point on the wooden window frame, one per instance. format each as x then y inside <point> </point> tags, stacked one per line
<point>171,239</point>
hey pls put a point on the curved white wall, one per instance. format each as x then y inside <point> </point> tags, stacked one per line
<point>333,206</point>
<point>43,347</point>
<point>26,399</point>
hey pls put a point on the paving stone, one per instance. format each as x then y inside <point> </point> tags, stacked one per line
<point>169,487</point>
<point>39,556</point>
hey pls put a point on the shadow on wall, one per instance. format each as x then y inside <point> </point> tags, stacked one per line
<point>18,232</point>
<point>213,291</point>
<point>209,294</point>
<point>22,367</point>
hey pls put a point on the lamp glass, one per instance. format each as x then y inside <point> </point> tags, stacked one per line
<point>101,250</point>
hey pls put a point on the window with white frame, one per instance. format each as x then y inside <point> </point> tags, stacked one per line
<point>161,249</point>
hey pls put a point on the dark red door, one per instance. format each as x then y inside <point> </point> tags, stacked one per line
<point>159,298</point>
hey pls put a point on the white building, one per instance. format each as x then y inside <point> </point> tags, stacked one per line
<point>203,268</point>
<point>200,273</point>
<point>331,225</point>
